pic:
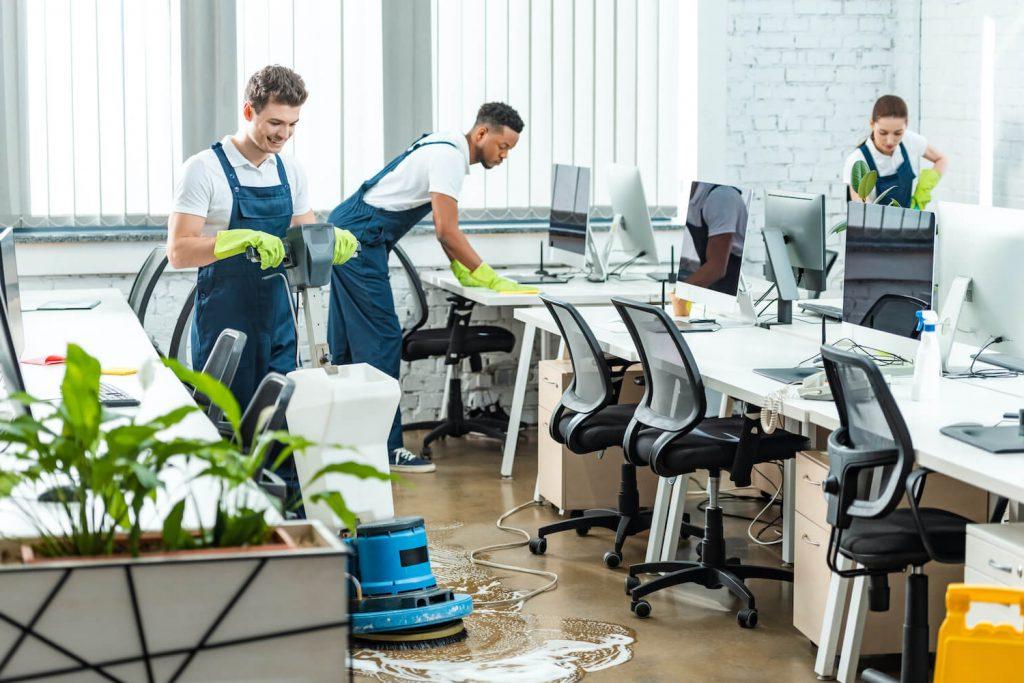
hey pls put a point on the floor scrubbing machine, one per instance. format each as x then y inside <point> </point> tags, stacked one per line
<point>396,602</point>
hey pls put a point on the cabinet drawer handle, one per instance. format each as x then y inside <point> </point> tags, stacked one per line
<point>1000,567</point>
<point>811,481</point>
<point>807,539</point>
<point>547,381</point>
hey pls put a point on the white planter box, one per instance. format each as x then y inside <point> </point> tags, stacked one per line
<point>194,617</point>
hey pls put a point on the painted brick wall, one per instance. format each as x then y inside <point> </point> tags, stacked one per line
<point>802,76</point>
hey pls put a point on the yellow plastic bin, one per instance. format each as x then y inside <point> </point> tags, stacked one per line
<point>986,652</point>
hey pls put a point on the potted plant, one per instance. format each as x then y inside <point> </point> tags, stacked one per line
<point>112,582</point>
<point>864,180</point>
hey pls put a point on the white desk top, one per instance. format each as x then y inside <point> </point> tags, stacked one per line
<point>112,334</point>
<point>577,291</point>
<point>727,359</point>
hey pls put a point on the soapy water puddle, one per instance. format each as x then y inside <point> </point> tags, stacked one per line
<point>504,643</point>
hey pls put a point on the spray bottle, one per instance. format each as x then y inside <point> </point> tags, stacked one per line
<point>928,362</point>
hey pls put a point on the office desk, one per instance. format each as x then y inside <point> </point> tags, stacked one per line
<point>727,358</point>
<point>112,334</point>
<point>578,292</point>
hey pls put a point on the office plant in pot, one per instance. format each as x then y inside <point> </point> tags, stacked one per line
<point>133,554</point>
<point>864,180</point>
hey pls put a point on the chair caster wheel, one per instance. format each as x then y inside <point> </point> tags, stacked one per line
<point>612,559</point>
<point>426,453</point>
<point>747,617</point>
<point>538,546</point>
<point>641,608</point>
<point>631,583</point>
<point>582,530</point>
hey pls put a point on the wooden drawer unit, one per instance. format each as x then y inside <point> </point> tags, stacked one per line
<point>882,630</point>
<point>572,481</point>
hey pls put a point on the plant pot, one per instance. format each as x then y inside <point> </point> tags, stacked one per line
<point>268,614</point>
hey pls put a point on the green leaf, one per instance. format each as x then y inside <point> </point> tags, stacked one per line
<point>839,227</point>
<point>894,203</point>
<point>867,185</point>
<point>146,476</point>
<point>80,391</point>
<point>174,417</point>
<point>860,169</point>
<point>879,198</point>
<point>336,503</point>
<point>245,527</point>
<point>219,394</point>
<point>174,537</point>
<point>354,469</point>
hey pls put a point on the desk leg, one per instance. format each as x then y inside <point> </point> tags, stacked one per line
<point>674,521</point>
<point>659,515</point>
<point>518,394</point>
<point>449,370</point>
<point>832,622</point>
<point>854,633</point>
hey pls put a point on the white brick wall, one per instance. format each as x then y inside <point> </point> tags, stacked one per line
<point>802,76</point>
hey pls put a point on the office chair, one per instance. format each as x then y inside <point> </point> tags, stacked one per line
<point>182,329</point>
<point>896,314</point>
<point>457,341</point>
<point>266,413</point>
<point>221,364</point>
<point>588,419</point>
<point>670,434</point>
<point>145,281</point>
<point>871,460</point>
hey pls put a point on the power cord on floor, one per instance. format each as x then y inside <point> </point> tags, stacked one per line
<point>750,529</point>
<point>551,576</point>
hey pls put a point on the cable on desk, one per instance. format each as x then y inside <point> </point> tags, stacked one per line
<point>985,373</point>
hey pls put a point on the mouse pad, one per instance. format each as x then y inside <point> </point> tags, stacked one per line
<point>1004,439</point>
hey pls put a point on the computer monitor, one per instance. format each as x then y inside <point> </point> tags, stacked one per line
<point>570,213</point>
<point>9,287</point>
<point>889,250</point>
<point>722,296</point>
<point>10,370</point>
<point>984,244</point>
<point>632,222</point>
<point>800,218</point>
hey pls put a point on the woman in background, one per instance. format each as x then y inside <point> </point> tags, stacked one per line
<point>894,152</point>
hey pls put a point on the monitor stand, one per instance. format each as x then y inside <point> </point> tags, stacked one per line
<point>598,261</point>
<point>782,274</point>
<point>1003,360</point>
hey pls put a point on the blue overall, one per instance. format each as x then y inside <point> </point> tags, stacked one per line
<point>233,293</point>
<point>903,178</point>
<point>362,326</point>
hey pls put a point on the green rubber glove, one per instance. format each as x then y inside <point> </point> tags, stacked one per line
<point>923,192</point>
<point>463,275</point>
<point>345,245</point>
<point>233,242</point>
<point>486,276</point>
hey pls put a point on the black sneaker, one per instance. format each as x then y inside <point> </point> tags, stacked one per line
<point>404,460</point>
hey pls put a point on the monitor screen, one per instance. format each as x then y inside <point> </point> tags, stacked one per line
<point>731,205</point>
<point>9,282</point>
<point>801,219</point>
<point>10,370</point>
<point>889,250</point>
<point>570,208</point>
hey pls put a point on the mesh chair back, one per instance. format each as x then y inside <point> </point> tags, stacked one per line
<point>591,388</point>
<point>221,365</point>
<point>896,314</point>
<point>266,410</point>
<point>10,370</point>
<point>183,329</point>
<point>416,300</point>
<point>145,281</point>
<point>674,399</point>
<point>871,455</point>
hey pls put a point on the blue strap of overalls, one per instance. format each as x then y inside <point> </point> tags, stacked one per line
<point>869,158</point>
<point>368,184</point>
<point>229,170</point>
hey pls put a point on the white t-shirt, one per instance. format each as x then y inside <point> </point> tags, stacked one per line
<point>434,168</point>
<point>203,189</point>
<point>916,145</point>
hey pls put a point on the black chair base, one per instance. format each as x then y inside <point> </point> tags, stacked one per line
<point>712,571</point>
<point>914,660</point>
<point>456,423</point>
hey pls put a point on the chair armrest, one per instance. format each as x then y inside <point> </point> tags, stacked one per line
<point>914,484</point>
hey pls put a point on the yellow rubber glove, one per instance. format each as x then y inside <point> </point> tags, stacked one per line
<point>462,274</point>
<point>233,242</point>
<point>485,275</point>
<point>923,192</point>
<point>345,245</point>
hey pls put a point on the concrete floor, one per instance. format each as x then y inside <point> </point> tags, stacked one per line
<point>692,634</point>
